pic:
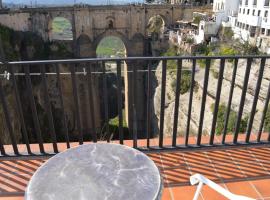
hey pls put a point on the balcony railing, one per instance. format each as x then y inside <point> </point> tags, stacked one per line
<point>19,77</point>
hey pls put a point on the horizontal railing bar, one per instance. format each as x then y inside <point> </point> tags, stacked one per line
<point>154,149</point>
<point>85,60</point>
<point>8,74</point>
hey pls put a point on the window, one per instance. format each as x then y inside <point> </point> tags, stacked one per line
<point>259,13</point>
<point>254,2</point>
<point>266,3</point>
<point>252,31</point>
<point>248,12</point>
<point>247,26</point>
<point>244,11</point>
<point>266,13</point>
<point>263,31</point>
<point>246,2</point>
<point>202,27</point>
<point>222,6</point>
<point>253,12</point>
<point>268,32</point>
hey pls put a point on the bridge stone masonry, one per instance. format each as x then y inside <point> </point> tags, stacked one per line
<point>90,24</point>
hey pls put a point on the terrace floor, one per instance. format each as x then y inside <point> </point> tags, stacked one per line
<point>241,170</point>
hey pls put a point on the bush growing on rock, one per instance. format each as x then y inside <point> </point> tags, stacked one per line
<point>267,121</point>
<point>231,123</point>
<point>185,83</point>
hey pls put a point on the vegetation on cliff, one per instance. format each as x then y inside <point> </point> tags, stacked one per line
<point>267,120</point>
<point>231,123</point>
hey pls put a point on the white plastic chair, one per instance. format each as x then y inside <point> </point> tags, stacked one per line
<point>200,180</point>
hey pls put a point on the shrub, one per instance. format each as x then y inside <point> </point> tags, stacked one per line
<point>185,83</point>
<point>190,40</point>
<point>215,73</point>
<point>227,33</point>
<point>231,123</point>
<point>197,20</point>
<point>267,121</point>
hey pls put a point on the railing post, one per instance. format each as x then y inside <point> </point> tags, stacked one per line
<point>120,102</point>
<point>162,103</point>
<point>190,100</point>
<point>216,109</point>
<point>242,101</point>
<point>76,101</point>
<point>205,86</point>
<point>255,100</point>
<point>227,115</point>
<point>177,98</point>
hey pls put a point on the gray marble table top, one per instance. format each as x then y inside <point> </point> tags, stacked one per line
<point>96,171</point>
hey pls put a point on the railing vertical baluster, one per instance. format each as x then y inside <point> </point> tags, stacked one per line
<point>242,101</point>
<point>162,103</point>
<point>120,102</point>
<point>227,115</point>
<point>190,100</point>
<point>76,101</point>
<point>106,106</point>
<point>255,100</point>
<point>48,109</point>
<point>218,92</point>
<point>7,119</point>
<point>19,108</point>
<point>149,93</point>
<point>34,109</point>
<point>59,84</point>
<point>91,102</point>
<point>134,106</point>
<point>2,148</point>
<point>177,98</point>
<point>264,115</point>
<point>205,86</point>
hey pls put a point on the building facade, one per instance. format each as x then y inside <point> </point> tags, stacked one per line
<point>253,23</point>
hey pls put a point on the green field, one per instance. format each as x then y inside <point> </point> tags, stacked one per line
<point>111,46</point>
<point>61,29</point>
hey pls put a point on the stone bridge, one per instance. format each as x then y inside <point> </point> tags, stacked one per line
<point>90,24</point>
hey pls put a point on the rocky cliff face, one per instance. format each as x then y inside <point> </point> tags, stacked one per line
<point>28,46</point>
<point>212,87</point>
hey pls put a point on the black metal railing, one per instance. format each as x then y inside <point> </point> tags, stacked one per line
<point>24,84</point>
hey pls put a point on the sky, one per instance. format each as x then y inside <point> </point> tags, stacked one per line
<point>95,2</point>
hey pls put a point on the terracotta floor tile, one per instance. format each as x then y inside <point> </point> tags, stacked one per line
<point>8,166</point>
<point>28,166</point>
<point>185,192</point>
<point>263,186</point>
<point>171,160</point>
<point>228,171</point>
<point>12,198</point>
<point>210,194</point>
<point>176,177</point>
<point>242,188</point>
<point>166,194</point>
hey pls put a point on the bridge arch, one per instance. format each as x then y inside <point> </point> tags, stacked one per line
<point>156,24</point>
<point>60,28</point>
<point>114,33</point>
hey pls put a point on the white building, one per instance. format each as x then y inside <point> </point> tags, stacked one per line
<point>253,23</point>
<point>223,9</point>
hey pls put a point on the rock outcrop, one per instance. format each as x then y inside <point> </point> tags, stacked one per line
<point>211,93</point>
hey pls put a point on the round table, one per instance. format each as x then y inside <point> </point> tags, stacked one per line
<point>98,172</point>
